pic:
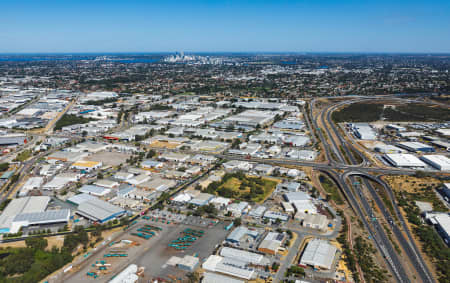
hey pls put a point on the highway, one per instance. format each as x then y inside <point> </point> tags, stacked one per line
<point>380,237</point>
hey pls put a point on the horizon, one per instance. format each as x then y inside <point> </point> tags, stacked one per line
<point>286,26</point>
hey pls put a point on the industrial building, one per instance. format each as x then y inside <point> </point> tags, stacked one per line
<point>29,211</point>
<point>404,160</point>
<point>39,218</point>
<point>416,147</point>
<point>30,184</point>
<point>209,277</point>
<point>86,165</point>
<point>245,256</point>
<point>99,211</point>
<point>252,118</point>
<point>228,266</point>
<point>94,190</point>
<point>442,223</point>
<point>363,131</point>
<point>439,162</point>
<point>240,234</point>
<point>12,139</point>
<point>128,275</point>
<point>387,148</point>
<point>319,254</point>
<point>188,263</point>
<point>271,243</point>
<point>313,221</point>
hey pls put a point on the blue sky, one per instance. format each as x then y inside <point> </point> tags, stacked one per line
<point>215,26</point>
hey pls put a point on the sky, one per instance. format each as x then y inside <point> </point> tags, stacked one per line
<point>69,26</point>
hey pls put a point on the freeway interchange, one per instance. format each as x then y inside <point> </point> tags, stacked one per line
<point>343,168</point>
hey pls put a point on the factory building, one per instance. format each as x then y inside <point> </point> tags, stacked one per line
<point>12,139</point>
<point>363,131</point>
<point>271,243</point>
<point>99,211</point>
<point>27,211</point>
<point>404,160</point>
<point>416,147</point>
<point>319,254</point>
<point>241,233</point>
<point>439,162</point>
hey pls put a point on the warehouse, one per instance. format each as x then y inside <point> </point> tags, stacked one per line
<point>439,162</point>
<point>271,243</point>
<point>364,131</point>
<point>252,118</point>
<point>86,165</point>
<point>387,148</point>
<point>20,206</point>
<point>241,234</point>
<point>39,218</point>
<point>235,268</point>
<point>94,190</point>
<point>12,139</point>
<point>443,226</point>
<point>318,254</point>
<point>209,277</point>
<point>416,147</point>
<point>93,147</point>
<point>237,209</point>
<point>275,216</point>
<point>395,128</point>
<point>32,183</point>
<point>404,160</point>
<point>80,198</point>
<point>244,256</point>
<point>313,221</point>
<point>441,144</point>
<point>66,156</point>
<point>99,211</point>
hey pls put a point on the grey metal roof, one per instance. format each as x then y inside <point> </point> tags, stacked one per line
<point>43,217</point>
<point>80,198</point>
<point>97,209</point>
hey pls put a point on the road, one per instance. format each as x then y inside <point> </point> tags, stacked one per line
<point>383,241</point>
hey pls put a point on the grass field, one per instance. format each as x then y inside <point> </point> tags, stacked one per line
<point>248,188</point>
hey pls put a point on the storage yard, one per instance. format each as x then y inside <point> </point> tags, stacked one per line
<point>150,242</point>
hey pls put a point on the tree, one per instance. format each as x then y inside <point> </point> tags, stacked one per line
<point>237,222</point>
<point>37,243</point>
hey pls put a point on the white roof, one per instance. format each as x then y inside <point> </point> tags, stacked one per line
<point>444,221</point>
<point>77,199</point>
<point>319,253</point>
<point>209,277</point>
<point>441,162</point>
<point>242,255</point>
<point>404,160</point>
<point>96,209</point>
<point>22,205</point>
<point>296,196</point>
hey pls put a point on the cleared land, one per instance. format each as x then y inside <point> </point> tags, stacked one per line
<point>243,187</point>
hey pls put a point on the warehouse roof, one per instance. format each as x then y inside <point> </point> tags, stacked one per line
<point>242,255</point>
<point>77,199</point>
<point>404,160</point>
<point>94,190</point>
<point>43,216</point>
<point>20,206</point>
<point>441,162</point>
<point>319,253</point>
<point>209,277</point>
<point>99,210</point>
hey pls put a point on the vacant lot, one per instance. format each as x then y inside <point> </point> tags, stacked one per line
<point>243,187</point>
<point>112,158</point>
